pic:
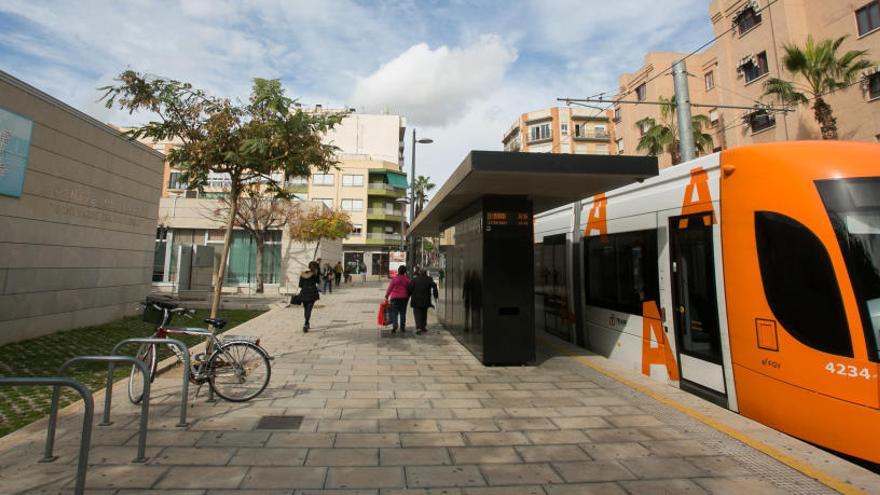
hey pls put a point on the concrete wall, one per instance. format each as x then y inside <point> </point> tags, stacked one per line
<point>76,248</point>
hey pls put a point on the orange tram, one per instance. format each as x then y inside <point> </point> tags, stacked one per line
<point>750,277</point>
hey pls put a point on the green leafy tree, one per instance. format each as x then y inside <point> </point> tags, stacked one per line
<point>824,70</point>
<point>316,224</point>
<point>423,186</point>
<point>247,141</point>
<point>662,136</point>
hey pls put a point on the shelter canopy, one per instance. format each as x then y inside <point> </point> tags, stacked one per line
<point>549,180</point>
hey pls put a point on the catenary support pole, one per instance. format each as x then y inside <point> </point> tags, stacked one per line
<point>683,111</point>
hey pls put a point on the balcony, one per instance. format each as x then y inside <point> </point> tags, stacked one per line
<point>383,214</point>
<point>383,189</point>
<point>382,239</point>
<point>297,188</point>
<point>595,135</point>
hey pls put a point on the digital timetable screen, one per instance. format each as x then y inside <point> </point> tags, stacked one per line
<point>508,218</point>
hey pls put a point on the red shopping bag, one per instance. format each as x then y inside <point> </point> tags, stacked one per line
<point>384,318</point>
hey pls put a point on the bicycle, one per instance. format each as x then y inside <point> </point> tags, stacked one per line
<point>238,368</point>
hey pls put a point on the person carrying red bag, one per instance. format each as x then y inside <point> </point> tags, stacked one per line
<point>398,293</point>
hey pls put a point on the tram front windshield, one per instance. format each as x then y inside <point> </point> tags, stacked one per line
<point>854,208</point>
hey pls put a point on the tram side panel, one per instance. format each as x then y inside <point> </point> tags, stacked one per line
<point>800,355</point>
<point>629,313</point>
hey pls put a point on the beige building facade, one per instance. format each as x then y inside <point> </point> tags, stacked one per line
<point>561,130</point>
<point>365,184</point>
<point>77,220</point>
<point>750,50</point>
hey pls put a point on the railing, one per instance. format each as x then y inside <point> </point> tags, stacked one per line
<point>383,237</point>
<point>382,186</point>
<point>383,211</point>
<point>145,403</point>
<point>183,355</point>
<point>88,413</point>
<point>592,135</point>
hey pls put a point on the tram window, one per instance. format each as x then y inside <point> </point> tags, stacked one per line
<point>854,209</point>
<point>800,284</point>
<point>621,270</point>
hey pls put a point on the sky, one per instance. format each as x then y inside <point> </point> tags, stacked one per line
<point>459,71</point>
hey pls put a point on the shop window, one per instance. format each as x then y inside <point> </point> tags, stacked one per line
<point>621,270</point>
<point>800,284</point>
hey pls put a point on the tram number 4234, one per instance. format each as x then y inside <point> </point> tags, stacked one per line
<point>849,371</point>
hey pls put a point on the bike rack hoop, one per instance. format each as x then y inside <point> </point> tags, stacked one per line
<point>145,404</point>
<point>86,436</point>
<point>184,386</point>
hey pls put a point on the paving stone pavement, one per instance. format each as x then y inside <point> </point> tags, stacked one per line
<point>402,414</point>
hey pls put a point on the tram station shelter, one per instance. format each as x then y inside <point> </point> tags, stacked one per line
<point>489,200</point>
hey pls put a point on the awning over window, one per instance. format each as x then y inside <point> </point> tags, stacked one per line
<point>397,180</point>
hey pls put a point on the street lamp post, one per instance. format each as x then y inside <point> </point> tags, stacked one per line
<point>412,197</point>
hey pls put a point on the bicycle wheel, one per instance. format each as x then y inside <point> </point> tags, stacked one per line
<point>239,371</point>
<point>147,354</point>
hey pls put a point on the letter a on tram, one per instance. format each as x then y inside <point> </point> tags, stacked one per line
<point>697,198</point>
<point>596,219</point>
<point>662,354</point>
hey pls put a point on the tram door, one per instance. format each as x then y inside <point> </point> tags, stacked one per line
<point>695,308</point>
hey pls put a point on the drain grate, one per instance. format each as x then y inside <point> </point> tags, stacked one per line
<point>280,423</point>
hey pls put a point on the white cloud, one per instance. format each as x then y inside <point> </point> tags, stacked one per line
<point>436,86</point>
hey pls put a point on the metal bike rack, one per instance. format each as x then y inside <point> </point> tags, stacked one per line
<point>184,387</point>
<point>145,403</point>
<point>86,436</point>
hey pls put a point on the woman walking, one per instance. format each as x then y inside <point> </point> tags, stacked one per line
<point>398,292</point>
<point>308,291</point>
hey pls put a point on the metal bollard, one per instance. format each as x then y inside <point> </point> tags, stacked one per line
<point>86,436</point>
<point>145,405</point>
<point>184,387</point>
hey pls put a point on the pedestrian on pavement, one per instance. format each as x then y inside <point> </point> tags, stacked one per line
<point>308,291</point>
<point>421,288</point>
<point>328,278</point>
<point>346,274</point>
<point>363,269</point>
<point>337,273</point>
<point>398,292</point>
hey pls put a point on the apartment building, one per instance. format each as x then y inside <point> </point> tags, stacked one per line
<point>749,50</point>
<point>645,85</point>
<point>365,183</point>
<point>561,130</point>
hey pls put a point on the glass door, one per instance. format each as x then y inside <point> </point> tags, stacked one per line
<point>695,307</point>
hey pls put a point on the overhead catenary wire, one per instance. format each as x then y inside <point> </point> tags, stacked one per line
<point>669,69</point>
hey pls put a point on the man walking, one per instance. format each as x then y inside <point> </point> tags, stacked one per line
<point>337,273</point>
<point>421,288</point>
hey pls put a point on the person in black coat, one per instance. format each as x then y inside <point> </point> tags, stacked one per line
<point>421,288</point>
<point>308,291</point>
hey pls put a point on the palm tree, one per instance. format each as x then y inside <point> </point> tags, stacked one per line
<point>662,136</point>
<point>825,73</point>
<point>422,186</point>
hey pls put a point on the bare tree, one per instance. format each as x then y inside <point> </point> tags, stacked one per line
<point>260,216</point>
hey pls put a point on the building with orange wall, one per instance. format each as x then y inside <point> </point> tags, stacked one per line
<point>561,130</point>
<point>749,51</point>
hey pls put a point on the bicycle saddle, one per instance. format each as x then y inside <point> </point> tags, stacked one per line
<point>217,323</point>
